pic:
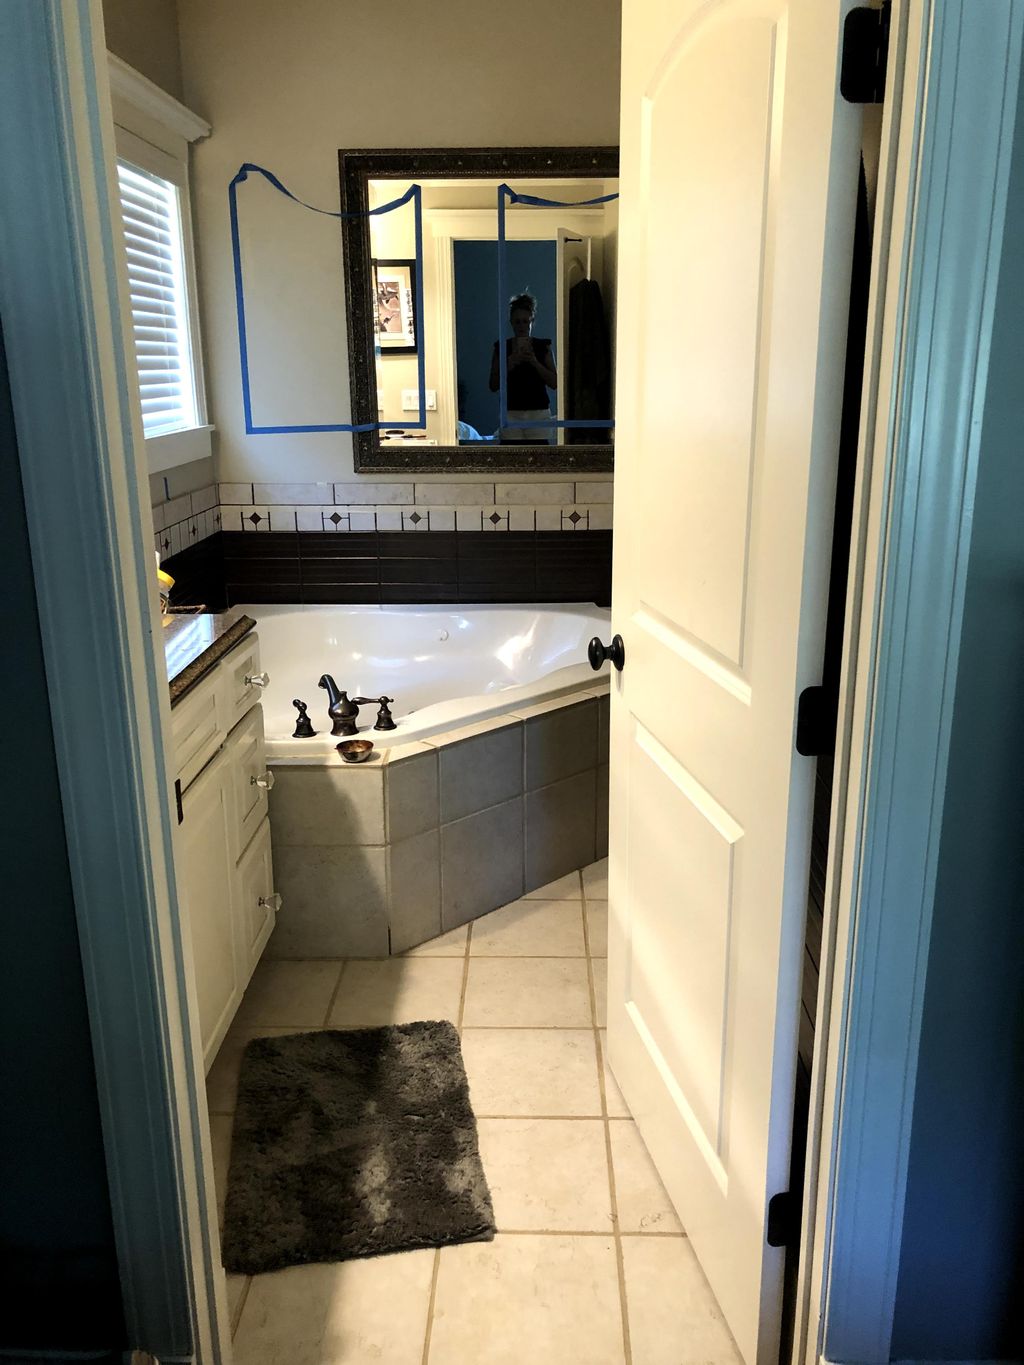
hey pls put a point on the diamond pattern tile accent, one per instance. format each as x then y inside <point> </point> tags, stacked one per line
<point>574,517</point>
<point>415,518</point>
<point>494,518</point>
<point>335,517</point>
<point>255,518</point>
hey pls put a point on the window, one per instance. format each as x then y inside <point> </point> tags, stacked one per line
<point>152,134</point>
<point>152,212</point>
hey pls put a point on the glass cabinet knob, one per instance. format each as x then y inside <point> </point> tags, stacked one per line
<point>264,780</point>
<point>271,902</point>
<point>257,679</point>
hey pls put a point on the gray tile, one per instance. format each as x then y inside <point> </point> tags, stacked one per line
<point>561,743</point>
<point>533,494</point>
<point>415,890</point>
<point>412,795</point>
<point>603,723</point>
<point>481,862</point>
<point>394,494</point>
<point>308,494</point>
<point>327,806</point>
<point>177,509</point>
<point>601,834</point>
<point>186,478</point>
<point>335,903</point>
<point>237,493</point>
<point>481,772</point>
<point>590,490</point>
<point>560,828</point>
<point>455,494</point>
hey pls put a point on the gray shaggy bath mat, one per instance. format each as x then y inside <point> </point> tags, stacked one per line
<point>352,1143</point>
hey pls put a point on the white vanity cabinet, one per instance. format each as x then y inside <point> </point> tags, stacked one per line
<point>222,853</point>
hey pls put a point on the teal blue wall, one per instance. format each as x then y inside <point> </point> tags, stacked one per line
<point>961,1282</point>
<point>529,266</point>
<point>58,1274</point>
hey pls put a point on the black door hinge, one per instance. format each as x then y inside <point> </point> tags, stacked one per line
<point>177,801</point>
<point>783,1220</point>
<point>816,716</point>
<point>865,54</point>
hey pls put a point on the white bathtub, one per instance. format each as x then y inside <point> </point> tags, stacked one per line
<point>446,666</point>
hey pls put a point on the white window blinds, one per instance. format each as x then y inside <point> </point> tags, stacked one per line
<point>151,211</point>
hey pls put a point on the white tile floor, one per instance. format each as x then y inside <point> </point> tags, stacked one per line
<point>590,1263</point>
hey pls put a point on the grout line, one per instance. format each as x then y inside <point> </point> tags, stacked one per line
<point>543,1118</point>
<point>430,1306</point>
<point>334,997</point>
<point>620,1264</point>
<point>437,1254</point>
<point>243,1298</point>
<point>587,1232</point>
<point>465,976</point>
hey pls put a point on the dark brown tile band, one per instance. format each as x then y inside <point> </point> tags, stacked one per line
<point>396,566</point>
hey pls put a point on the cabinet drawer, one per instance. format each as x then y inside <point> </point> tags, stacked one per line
<point>238,694</point>
<point>249,767</point>
<point>256,914</point>
<point>195,731</point>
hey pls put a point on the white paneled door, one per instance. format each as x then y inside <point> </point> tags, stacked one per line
<point>739,176</point>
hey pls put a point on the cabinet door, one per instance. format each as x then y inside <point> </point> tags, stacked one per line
<point>236,672</point>
<point>246,750</point>
<point>206,876</point>
<point>255,911</point>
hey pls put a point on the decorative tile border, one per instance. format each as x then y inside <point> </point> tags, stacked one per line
<point>185,521</point>
<point>582,505</point>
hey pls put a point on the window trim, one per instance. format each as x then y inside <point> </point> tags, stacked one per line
<point>153,131</point>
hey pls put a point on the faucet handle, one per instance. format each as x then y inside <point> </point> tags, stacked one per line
<point>384,717</point>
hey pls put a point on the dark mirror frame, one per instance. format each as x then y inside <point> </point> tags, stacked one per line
<point>357,169</point>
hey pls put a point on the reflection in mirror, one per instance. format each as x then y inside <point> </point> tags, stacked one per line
<point>556,315</point>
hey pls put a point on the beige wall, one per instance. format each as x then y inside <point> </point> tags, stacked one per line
<point>144,33</point>
<point>286,86</point>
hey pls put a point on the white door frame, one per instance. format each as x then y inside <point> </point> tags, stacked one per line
<point>947,139</point>
<point>64,311</point>
<point>62,296</point>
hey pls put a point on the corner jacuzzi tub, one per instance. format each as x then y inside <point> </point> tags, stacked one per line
<point>493,784</point>
<point>445,666</point>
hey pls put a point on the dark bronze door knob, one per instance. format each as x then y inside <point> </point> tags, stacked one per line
<point>597,652</point>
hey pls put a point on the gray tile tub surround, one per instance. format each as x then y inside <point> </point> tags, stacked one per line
<point>381,857</point>
<point>327,829</point>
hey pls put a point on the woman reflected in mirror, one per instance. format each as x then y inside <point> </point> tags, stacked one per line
<point>530,373</point>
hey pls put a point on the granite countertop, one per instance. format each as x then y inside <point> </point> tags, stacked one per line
<point>194,644</point>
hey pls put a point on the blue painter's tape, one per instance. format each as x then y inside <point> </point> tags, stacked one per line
<point>412,195</point>
<point>506,192</point>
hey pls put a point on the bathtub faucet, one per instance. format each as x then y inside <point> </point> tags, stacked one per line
<point>384,719</point>
<point>341,711</point>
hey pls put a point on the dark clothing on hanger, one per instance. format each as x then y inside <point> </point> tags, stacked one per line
<point>588,379</point>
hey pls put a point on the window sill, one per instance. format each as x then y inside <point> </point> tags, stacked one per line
<point>174,448</point>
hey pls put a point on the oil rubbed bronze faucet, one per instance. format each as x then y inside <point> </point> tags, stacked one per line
<point>384,719</point>
<point>342,712</point>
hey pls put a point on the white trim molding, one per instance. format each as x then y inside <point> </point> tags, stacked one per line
<point>63,300</point>
<point>921,437</point>
<point>137,90</point>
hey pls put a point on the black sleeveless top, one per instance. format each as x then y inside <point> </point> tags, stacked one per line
<point>525,389</point>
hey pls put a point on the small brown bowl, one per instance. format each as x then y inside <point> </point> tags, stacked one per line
<point>355,750</point>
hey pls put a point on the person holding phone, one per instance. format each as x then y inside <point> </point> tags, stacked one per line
<point>530,374</point>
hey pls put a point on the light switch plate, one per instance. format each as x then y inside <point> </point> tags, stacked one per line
<point>411,400</point>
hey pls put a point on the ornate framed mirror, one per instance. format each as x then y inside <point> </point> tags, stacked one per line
<point>550,281</point>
